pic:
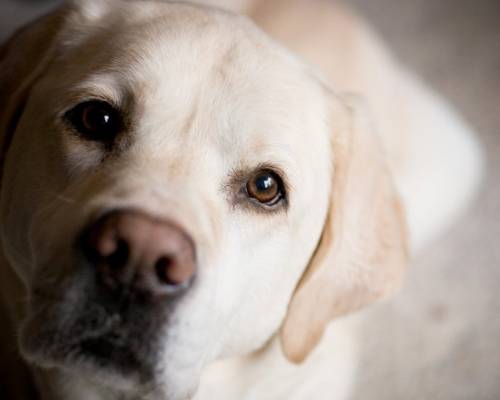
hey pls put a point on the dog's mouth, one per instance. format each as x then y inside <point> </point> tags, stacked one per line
<point>123,350</point>
<point>83,331</point>
<point>108,352</point>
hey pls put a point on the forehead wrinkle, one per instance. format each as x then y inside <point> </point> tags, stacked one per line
<point>189,122</point>
<point>226,60</point>
<point>170,71</point>
<point>195,107</point>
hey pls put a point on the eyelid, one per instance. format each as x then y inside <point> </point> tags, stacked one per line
<point>98,87</point>
<point>75,102</point>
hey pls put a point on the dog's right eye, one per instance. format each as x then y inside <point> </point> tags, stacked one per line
<point>96,121</point>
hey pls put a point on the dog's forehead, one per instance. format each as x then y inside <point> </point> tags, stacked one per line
<point>178,39</point>
<point>187,65</point>
<point>184,50</point>
<point>194,80</point>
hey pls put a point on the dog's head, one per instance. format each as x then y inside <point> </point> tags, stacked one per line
<point>177,188</point>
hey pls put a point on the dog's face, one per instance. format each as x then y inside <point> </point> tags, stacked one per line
<point>191,127</point>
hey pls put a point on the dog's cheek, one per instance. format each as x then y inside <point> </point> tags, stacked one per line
<point>270,255</point>
<point>31,186</point>
<point>201,328</point>
<point>191,340</point>
<point>20,197</point>
<point>248,284</point>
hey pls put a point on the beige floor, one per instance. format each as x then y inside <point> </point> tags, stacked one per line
<point>440,338</point>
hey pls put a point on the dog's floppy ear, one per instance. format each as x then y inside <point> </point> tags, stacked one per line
<point>362,251</point>
<point>23,58</point>
<point>27,54</point>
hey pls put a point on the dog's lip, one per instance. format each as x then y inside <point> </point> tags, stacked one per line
<point>73,328</point>
<point>105,351</point>
<point>102,355</point>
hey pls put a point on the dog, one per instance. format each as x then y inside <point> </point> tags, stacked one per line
<point>193,200</point>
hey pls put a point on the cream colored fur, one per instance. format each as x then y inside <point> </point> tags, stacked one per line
<point>212,94</point>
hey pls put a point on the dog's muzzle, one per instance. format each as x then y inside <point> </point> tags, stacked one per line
<point>128,272</point>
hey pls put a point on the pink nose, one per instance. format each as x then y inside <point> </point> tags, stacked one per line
<point>132,250</point>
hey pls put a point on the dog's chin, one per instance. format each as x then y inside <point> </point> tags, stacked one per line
<point>107,367</point>
<point>94,342</point>
<point>79,326</point>
<point>106,359</point>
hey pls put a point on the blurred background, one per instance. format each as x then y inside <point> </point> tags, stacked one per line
<point>440,339</point>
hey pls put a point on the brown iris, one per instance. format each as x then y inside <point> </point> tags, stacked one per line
<point>265,187</point>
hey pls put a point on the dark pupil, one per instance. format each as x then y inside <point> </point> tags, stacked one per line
<point>97,118</point>
<point>264,182</point>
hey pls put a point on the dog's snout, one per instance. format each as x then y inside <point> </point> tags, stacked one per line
<point>132,250</point>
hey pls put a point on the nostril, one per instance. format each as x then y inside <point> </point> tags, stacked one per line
<point>119,256</point>
<point>162,267</point>
<point>132,251</point>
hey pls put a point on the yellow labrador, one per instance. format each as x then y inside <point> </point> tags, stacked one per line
<point>186,204</point>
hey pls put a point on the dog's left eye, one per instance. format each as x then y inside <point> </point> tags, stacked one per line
<point>96,121</point>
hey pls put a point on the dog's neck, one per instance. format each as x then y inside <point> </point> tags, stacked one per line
<point>327,373</point>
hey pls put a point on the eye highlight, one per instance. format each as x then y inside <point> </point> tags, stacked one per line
<point>266,187</point>
<point>96,120</point>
